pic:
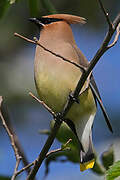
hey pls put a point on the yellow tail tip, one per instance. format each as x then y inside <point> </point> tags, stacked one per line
<point>87,165</point>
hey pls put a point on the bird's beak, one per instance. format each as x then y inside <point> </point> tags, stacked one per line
<point>36,21</point>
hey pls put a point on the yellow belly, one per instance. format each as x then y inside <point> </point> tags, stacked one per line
<point>54,85</point>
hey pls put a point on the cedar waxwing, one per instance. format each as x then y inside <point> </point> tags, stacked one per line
<point>55,79</point>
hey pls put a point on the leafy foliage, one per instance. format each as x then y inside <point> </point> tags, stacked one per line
<point>98,168</point>
<point>4,178</point>
<point>114,171</point>
<point>63,135</point>
<point>12,1</point>
<point>108,158</point>
<point>4,4</point>
<point>34,6</point>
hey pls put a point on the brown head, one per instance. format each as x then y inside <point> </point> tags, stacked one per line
<point>57,26</point>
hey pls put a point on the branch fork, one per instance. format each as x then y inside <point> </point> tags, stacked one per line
<point>73,97</point>
<point>86,72</point>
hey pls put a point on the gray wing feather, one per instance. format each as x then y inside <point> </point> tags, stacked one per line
<point>83,61</point>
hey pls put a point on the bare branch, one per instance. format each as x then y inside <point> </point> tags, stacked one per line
<point>35,41</point>
<point>44,151</point>
<point>53,152</point>
<point>25,168</point>
<point>70,101</point>
<point>21,152</point>
<point>116,37</point>
<point>116,21</point>
<point>85,74</point>
<point>106,15</point>
<point>15,170</point>
<point>18,151</point>
<point>60,149</point>
<point>10,135</point>
<point>41,102</point>
<point>93,62</point>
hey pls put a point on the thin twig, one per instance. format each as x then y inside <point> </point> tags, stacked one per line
<point>44,151</point>
<point>106,15</point>
<point>116,37</point>
<point>35,41</point>
<point>60,149</point>
<point>116,21</point>
<point>10,135</point>
<point>25,168</point>
<point>19,153</point>
<point>54,151</point>
<point>93,62</point>
<point>69,103</point>
<point>85,74</point>
<point>42,102</point>
<point>15,170</point>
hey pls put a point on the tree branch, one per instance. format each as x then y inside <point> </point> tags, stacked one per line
<point>116,37</point>
<point>104,47</point>
<point>16,169</point>
<point>106,15</point>
<point>35,41</point>
<point>85,74</point>
<point>25,168</point>
<point>93,62</point>
<point>44,151</point>
<point>10,135</point>
<point>41,102</point>
<point>64,148</point>
<point>16,151</point>
<point>19,153</point>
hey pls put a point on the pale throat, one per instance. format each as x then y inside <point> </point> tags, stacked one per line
<point>50,36</point>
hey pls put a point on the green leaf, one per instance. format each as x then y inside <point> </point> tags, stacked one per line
<point>12,1</point>
<point>63,135</point>
<point>71,152</point>
<point>108,158</point>
<point>98,168</point>
<point>4,4</point>
<point>114,171</point>
<point>4,178</point>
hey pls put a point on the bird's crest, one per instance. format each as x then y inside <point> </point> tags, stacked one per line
<point>71,19</point>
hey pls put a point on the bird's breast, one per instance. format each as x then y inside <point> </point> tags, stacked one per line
<point>55,79</point>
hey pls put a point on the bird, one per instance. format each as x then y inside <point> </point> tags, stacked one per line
<point>55,79</point>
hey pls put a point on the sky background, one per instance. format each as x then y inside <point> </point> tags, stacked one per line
<point>17,79</point>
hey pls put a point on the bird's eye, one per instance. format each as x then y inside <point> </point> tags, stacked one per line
<point>49,20</point>
<point>46,21</point>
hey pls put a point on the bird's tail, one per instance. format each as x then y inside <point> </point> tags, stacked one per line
<point>84,134</point>
<point>87,159</point>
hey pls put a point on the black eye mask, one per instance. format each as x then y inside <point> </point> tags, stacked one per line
<point>47,20</point>
<point>40,22</point>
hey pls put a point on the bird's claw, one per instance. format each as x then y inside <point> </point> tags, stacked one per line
<point>73,98</point>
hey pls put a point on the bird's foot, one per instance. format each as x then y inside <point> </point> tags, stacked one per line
<point>73,98</point>
<point>59,117</point>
